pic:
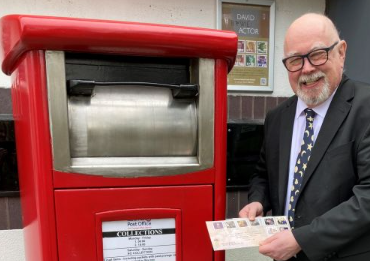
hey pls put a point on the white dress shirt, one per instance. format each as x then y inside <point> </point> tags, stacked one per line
<point>297,137</point>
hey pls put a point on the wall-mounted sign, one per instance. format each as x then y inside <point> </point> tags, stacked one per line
<point>253,21</point>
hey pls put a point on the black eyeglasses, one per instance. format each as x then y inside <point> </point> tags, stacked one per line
<point>316,57</point>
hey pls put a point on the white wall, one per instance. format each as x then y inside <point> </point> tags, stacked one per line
<point>11,245</point>
<point>286,12</point>
<point>199,13</point>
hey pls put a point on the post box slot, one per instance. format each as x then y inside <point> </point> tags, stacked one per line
<point>111,68</point>
<point>86,87</point>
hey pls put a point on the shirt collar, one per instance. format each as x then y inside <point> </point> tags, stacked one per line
<point>319,110</point>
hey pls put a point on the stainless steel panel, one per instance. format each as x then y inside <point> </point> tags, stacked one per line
<point>135,166</point>
<point>132,121</point>
<point>57,100</point>
<point>202,73</point>
<point>206,107</point>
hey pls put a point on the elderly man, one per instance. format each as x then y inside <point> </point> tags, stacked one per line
<point>315,161</point>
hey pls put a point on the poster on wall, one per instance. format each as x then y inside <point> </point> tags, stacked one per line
<point>253,22</point>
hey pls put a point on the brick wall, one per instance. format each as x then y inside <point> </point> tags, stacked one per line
<point>10,209</point>
<point>10,213</point>
<point>251,107</point>
<point>5,102</point>
<point>246,108</point>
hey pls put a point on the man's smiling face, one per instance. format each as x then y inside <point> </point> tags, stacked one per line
<point>314,84</point>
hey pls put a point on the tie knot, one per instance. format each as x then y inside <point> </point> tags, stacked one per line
<point>310,114</point>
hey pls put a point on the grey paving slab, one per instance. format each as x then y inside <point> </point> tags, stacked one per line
<point>245,254</point>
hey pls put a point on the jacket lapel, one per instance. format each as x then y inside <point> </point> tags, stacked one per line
<point>337,112</point>
<point>285,141</point>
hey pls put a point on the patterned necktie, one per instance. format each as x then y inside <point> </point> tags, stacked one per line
<point>301,164</point>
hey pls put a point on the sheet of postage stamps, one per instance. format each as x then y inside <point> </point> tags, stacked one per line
<point>241,232</point>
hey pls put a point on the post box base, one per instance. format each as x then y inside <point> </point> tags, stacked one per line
<point>82,216</point>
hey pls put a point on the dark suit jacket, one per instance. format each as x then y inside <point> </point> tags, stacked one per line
<point>332,217</point>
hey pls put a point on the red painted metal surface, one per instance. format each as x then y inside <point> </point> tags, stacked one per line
<point>22,33</point>
<point>77,209</point>
<point>220,145</point>
<point>55,204</point>
<point>34,157</point>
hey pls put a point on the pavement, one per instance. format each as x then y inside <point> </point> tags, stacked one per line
<point>245,254</point>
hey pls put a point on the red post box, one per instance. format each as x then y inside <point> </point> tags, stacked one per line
<point>121,136</point>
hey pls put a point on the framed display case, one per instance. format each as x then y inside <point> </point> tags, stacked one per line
<point>254,22</point>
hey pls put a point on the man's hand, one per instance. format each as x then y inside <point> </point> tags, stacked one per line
<point>251,211</point>
<point>280,246</point>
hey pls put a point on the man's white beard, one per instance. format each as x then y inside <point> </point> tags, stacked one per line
<point>309,97</point>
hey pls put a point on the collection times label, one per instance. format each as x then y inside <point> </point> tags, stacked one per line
<point>139,240</point>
